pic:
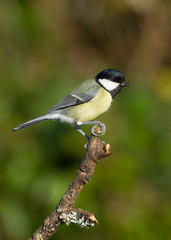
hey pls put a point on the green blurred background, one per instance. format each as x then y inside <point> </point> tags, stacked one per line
<point>47,49</point>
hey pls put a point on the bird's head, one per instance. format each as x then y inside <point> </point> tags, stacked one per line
<point>111,80</point>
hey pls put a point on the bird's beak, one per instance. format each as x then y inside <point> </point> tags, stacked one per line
<point>125,84</point>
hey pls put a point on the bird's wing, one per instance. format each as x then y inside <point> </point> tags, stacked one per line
<point>82,94</point>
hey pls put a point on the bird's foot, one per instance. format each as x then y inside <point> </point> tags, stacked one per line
<point>98,129</point>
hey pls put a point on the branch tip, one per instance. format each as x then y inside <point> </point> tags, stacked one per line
<point>106,149</point>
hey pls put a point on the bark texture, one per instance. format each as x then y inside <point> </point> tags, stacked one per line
<point>65,211</point>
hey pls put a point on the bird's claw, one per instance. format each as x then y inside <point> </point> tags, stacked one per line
<point>98,131</point>
<point>86,144</point>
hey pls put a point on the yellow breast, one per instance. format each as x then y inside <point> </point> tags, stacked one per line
<point>89,111</point>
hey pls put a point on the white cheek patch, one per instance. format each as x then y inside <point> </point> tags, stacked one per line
<point>109,85</point>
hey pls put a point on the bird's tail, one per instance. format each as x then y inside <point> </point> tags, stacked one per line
<point>26,124</point>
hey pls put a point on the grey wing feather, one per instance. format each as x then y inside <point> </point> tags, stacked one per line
<point>83,93</point>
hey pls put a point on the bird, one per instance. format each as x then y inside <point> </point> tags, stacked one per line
<point>86,102</point>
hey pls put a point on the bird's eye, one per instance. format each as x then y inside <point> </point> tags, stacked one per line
<point>118,79</point>
<point>121,79</point>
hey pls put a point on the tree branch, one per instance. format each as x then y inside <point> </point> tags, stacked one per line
<point>65,211</point>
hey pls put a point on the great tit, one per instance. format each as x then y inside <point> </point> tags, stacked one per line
<point>86,102</point>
